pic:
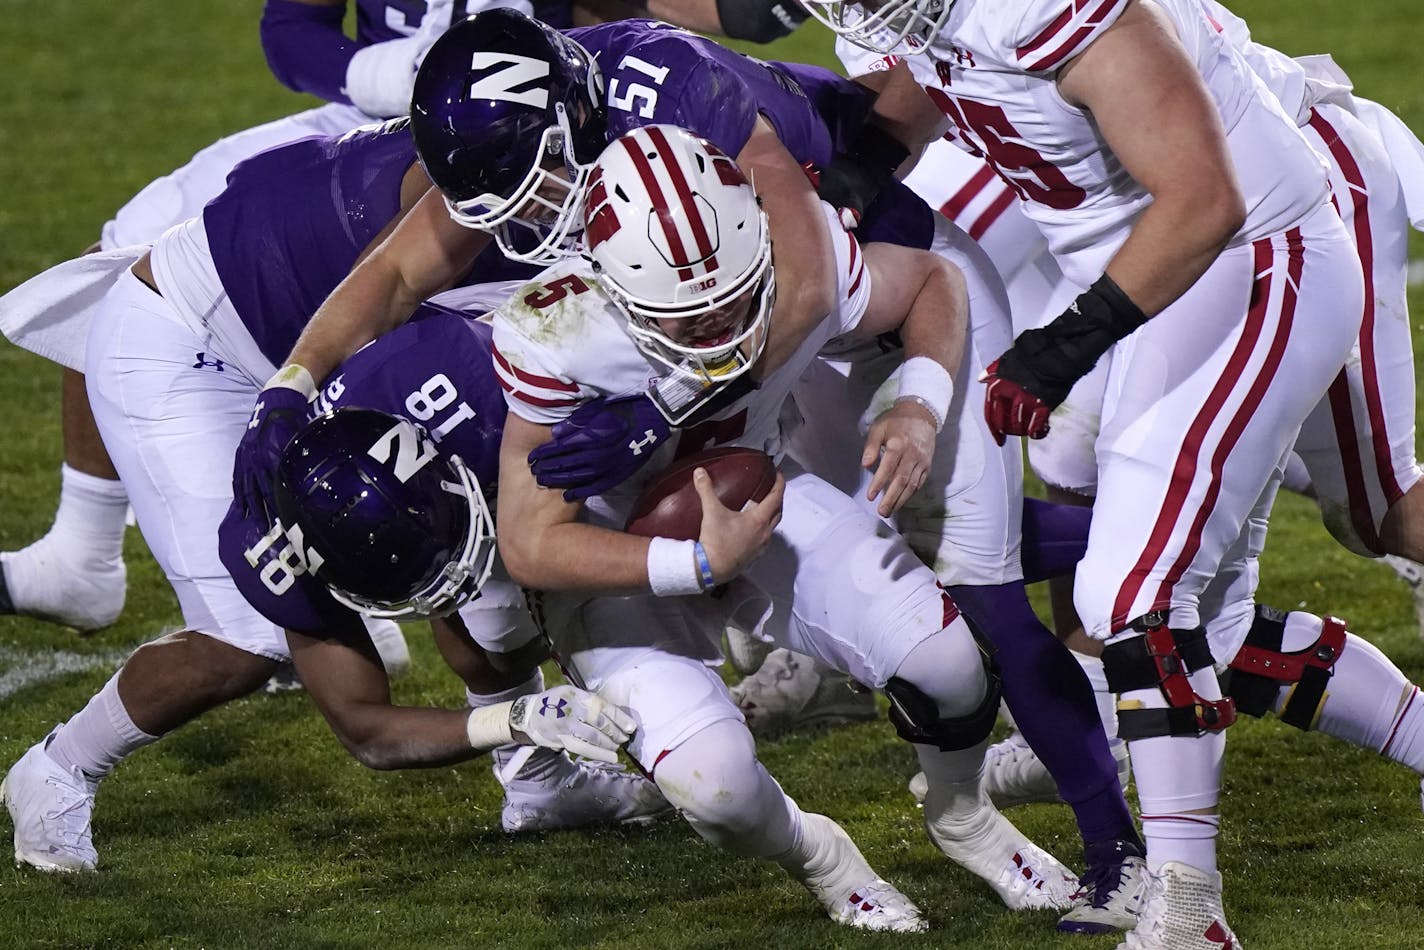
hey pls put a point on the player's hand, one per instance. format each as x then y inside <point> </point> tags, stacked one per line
<point>848,188</point>
<point>899,448</point>
<point>1010,407</point>
<point>572,720</point>
<point>276,417</point>
<point>733,539</point>
<point>600,445</point>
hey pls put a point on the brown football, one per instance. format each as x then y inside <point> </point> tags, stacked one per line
<point>669,506</point>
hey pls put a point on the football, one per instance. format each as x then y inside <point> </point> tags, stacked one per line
<point>669,506</point>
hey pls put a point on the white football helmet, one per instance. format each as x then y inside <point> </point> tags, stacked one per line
<point>895,26</point>
<point>677,234</point>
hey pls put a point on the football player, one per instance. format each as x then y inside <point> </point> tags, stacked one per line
<point>774,118</point>
<point>1226,278</point>
<point>174,361</point>
<point>681,288</point>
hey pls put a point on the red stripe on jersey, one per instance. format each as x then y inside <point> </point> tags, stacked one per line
<point>684,195</point>
<point>1184,470</point>
<point>968,192</point>
<point>1369,361</point>
<point>991,214</point>
<point>1065,49</point>
<point>533,379</point>
<point>533,400</point>
<point>1295,263</point>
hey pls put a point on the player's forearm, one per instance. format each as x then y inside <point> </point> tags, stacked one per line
<point>406,737</point>
<point>938,320</point>
<point>903,109</point>
<point>576,557</point>
<point>306,48</point>
<point>369,302</point>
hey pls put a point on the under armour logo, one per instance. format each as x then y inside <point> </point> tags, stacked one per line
<point>638,445</point>
<point>204,361</point>
<point>555,709</point>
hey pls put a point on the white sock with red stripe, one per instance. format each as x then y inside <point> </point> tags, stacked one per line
<point>1179,783</point>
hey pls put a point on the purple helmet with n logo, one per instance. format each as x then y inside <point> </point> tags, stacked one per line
<point>391,525</point>
<point>508,117</point>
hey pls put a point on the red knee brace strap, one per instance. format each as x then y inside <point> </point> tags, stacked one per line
<point>1164,658</point>
<point>1260,667</point>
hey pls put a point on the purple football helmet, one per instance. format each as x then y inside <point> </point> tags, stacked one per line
<point>393,527</point>
<point>508,118</point>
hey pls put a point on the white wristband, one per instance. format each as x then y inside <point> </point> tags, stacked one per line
<point>294,376</point>
<point>672,568</point>
<point>488,727</point>
<point>926,382</point>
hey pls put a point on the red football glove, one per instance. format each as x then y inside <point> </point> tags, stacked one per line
<point>1009,409</point>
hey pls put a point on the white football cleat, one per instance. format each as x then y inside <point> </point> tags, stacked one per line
<point>50,581</point>
<point>792,691</point>
<point>52,810</point>
<point>987,844</point>
<point>1113,888</point>
<point>848,888</point>
<point>1181,910</point>
<point>579,793</point>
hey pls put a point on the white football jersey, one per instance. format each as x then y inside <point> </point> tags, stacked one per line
<point>560,341</point>
<point>996,64</point>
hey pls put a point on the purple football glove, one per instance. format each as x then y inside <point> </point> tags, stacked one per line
<point>276,417</point>
<point>600,445</point>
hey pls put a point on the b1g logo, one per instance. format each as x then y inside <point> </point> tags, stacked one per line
<point>507,77</point>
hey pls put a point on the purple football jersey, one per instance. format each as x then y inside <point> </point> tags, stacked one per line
<point>435,370</point>
<point>655,73</point>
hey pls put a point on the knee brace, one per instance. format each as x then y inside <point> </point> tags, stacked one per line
<point>916,717</point>
<point>1261,667</point>
<point>1164,658</point>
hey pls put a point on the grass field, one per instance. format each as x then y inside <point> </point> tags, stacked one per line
<point>252,828</point>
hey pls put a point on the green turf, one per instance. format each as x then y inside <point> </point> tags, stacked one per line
<point>252,828</point>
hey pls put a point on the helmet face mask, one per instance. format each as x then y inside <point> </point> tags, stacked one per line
<point>895,26</point>
<point>508,117</point>
<point>680,244</point>
<point>732,352</point>
<point>540,221</point>
<point>394,529</point>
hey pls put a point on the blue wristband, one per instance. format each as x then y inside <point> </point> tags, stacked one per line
<point>704,566</point>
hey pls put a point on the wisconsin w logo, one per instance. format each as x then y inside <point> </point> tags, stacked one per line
<point>510,73</point>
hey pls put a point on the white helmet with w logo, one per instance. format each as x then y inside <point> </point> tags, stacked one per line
<point>681,244</point>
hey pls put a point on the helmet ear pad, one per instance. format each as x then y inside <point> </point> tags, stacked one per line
<point>387,523</point>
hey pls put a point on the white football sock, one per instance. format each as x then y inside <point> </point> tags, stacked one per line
<point>99,736</point>
<point>92,513</point>
<point>1179,784</point>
